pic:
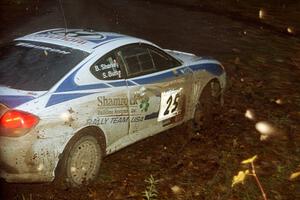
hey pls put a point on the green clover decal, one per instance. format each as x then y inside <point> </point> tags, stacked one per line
<point>144,105</point>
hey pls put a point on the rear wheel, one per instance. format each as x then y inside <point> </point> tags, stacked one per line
<point>81,161</point>
<point>208,106</point>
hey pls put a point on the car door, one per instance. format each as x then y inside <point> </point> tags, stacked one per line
<point>111,113</point>
<point>157,86</point>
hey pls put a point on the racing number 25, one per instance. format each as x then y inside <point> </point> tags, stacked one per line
<point>170,102</point>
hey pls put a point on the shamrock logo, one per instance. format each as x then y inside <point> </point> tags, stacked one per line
<point>144,105</point>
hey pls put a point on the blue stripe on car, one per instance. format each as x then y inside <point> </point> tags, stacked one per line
<point>14,100</point>
<point>59,98</point>
<point>70,85</point>
<point>106,41</point>
<point>118,83</point>
<point>107,38</point>
<point>213,68</point>
<point>131,83</point>
<point>154,78</point>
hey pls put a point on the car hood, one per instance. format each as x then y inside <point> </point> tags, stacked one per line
<point>14,97</point>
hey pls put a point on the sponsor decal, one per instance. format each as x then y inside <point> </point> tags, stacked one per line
<point>169,105</point>
<point>144,105</point>
<point>89,35</point>
<point>113,112</point>
<point>116,101</point>
<point>42,48</point>
<point>114,120</point>
<point>61,37</point>
<point>120,109</point>
<point>142,102</point>
<point>72,35</point>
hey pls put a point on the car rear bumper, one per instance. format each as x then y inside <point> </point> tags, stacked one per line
<point>20,163</point>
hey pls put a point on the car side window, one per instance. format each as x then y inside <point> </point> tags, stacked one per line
<point>161,60</point>
<point>107,68</point>
<point>137,59</point>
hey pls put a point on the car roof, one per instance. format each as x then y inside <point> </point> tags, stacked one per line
<point>85,40</point>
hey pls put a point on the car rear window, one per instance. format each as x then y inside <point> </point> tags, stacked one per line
<point>36,66</point>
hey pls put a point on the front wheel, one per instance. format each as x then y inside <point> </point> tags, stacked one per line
<point>81,161</point>
<point>208,105</point>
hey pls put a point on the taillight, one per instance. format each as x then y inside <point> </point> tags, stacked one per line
<point>16,123</point>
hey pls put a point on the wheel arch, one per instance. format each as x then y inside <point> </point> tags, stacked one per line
<point>96,131</point>
<point>201,88</point>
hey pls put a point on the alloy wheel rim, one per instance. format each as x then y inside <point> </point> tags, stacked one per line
<point>84,161</point>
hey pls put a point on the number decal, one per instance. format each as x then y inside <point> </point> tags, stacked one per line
<point>169,104</point>
<point>175,103</point>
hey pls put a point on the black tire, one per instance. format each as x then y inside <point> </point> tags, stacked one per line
<point>81,161</point>
<point>208,106</point>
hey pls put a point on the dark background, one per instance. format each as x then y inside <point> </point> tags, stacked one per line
<point>262,60</point>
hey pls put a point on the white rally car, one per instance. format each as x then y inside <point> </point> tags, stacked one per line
<point>70,97</point>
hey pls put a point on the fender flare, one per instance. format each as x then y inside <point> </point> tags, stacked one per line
<point>96,130</point>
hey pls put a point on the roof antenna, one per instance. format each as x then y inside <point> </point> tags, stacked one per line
<point>63,13</point>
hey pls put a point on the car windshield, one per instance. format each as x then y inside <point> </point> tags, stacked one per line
<point>36,66</point>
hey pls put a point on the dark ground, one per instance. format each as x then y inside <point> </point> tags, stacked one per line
<point>263,64</point>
